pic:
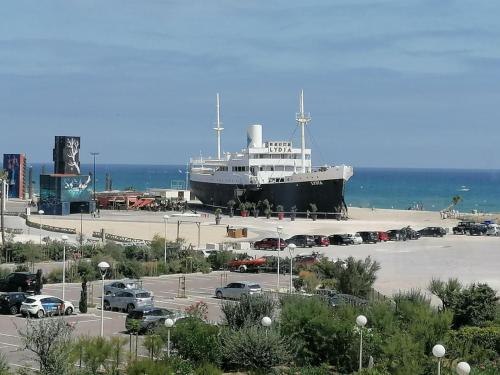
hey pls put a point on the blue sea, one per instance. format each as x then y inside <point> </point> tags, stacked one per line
<point>431,189</point>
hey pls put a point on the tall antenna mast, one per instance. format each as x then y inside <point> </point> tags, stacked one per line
<point>218,129</point>
<point>302,120</point>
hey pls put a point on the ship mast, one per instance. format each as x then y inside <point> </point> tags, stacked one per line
<point>218,129</point>
<point>302,120</point>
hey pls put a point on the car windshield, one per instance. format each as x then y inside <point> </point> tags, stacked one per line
<point>30,300</point>
<point>143,295</point>
<point>135,315</point>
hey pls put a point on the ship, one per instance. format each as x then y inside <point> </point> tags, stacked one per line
<point>274,170</point>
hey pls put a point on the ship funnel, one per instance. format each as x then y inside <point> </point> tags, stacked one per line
<point>254,136</point>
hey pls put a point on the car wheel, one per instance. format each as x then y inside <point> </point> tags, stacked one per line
<point>40,314</point>
<point>218,295</point>
<point>68,311</point>
<point>130,307</point>
<point>13,310</point>
<point>107,305</point>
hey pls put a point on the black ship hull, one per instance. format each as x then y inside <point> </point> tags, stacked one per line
<point>327,195</point>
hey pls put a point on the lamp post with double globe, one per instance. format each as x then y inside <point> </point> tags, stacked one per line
<point>103,268</point>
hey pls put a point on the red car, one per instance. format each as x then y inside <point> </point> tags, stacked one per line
<point>383,236</point>
<point>270,244</point>
<point>321,240</point>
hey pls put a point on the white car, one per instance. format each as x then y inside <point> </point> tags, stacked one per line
<point>44,305</point>
<point>356,238</point>
<point>492,230</point>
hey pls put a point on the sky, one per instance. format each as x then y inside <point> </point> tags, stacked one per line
<point>388,83</point>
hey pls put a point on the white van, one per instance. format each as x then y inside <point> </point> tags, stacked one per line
<point>492,230</point>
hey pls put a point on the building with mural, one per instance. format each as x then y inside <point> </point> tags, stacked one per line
<point>15,165</point>
<point>66,191</point>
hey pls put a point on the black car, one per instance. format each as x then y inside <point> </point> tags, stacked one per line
<point>19,282</point>
<point>340,239</point>
<point>11,302</point>
<point>432,232</point>
<point>463,227</point>
<point>302,240</point>
<point>410,233</point>
<point>478,230</point>
<point>369,237</point>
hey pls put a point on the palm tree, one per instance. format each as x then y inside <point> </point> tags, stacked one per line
<point>3,177</point>
<point>456,200</point>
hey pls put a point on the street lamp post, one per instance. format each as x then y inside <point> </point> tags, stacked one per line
<point>291,249</point>
<point>64,239</point>
<point>81,230</point>
<point>165,219</point>
<point>94,154</point>
<point>169,323</point>
<point>40,213</point>
<point>463,368</point>
<point>438,351</point>
<point>103,267</point>
<point>361,322</point>
<point>266,323</point>
<point>279,230</point>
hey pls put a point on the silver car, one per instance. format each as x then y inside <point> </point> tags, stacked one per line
<point>128,300</point>
<point>120,285</point>
<point>236,290</point>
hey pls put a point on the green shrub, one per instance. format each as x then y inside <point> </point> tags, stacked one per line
<point>219,259</point>
<point>207,369</point>
<point>149,367</point>
<point>196,341</point>
<point>250,310</point>
<point>254,348</point>
<point>474,344</point>
<point>55,276</point>
<point>322,370</point>
<point>476,306</point>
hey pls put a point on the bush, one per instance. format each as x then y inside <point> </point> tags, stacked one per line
<point>219,259</point>
<point>207,369</point>
<point>254,348</point>
<point>149,367</point>
<point>196,341</point>
<point>55,276</point>
<point>250,310</point>
<point>475,344</point>
<point>476,306</point>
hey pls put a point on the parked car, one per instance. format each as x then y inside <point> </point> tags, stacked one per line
<point>270,244</point>
<point>118,286</point>
<point>356,238</point>
<point>321,240</point>
<point>128,300</point>
<point>19,282</point>
<point>302,240</point>
<point>383,236</point>
<point>369,237</point>
<point>493,230</point>
<point>305,260</point>
<point>478,230</point>
<point>238,289</point>
<point>463,227</point>
<point>432,232</point>
<point>44,305</point>
<point>340,239</point>
<point>149,318</point>
<point>410,233</point>
<point>11,302</point>
<point>396,235</point>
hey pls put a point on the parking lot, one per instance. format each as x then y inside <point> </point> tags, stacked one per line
<point>199,287</point>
